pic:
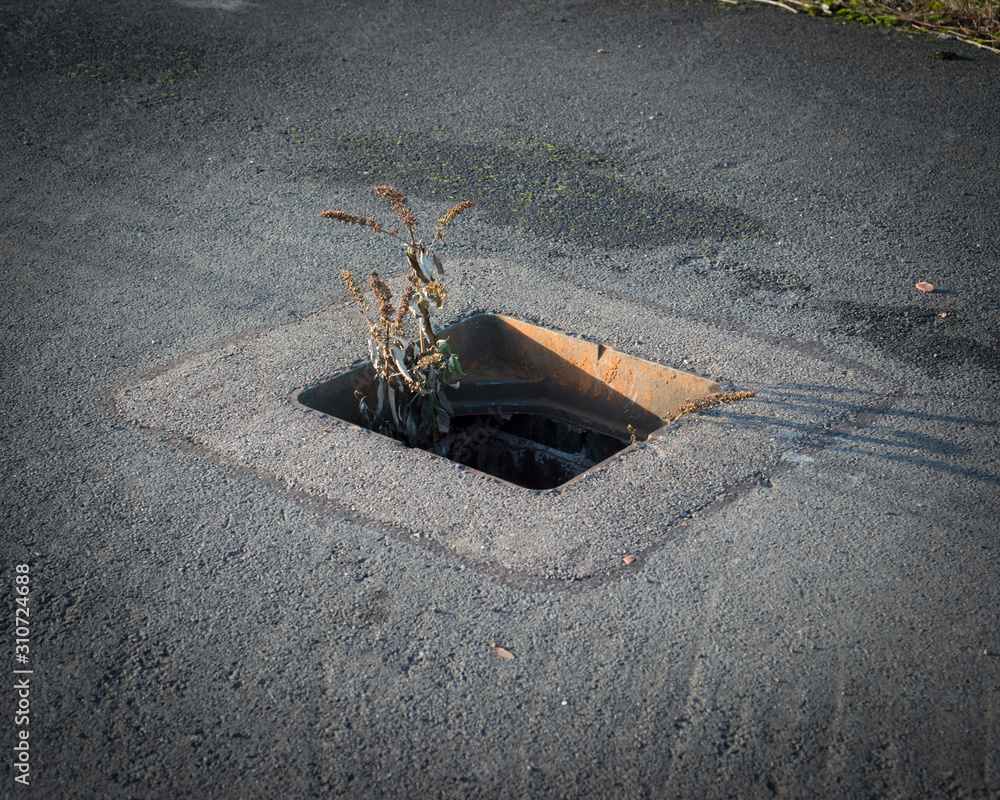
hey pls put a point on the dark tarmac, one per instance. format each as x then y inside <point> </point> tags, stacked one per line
<point>230,596</point>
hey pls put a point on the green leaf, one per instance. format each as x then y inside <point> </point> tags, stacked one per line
<point>414,260</point>
<point>382,391</point>
<point>444,404</point>
<point>398,357</point>
<point>365,411</point>
<point>392,407</point>
<point>443,420</point>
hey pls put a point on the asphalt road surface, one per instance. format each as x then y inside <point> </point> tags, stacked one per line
<point>212,593</point>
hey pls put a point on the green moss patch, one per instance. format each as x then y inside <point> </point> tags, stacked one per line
<point>553,190</point>
<point>43,46</point>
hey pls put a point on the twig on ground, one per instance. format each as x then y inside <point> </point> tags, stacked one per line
<point>963,24</point>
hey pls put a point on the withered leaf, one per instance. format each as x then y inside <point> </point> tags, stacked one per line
<point>501,652</point>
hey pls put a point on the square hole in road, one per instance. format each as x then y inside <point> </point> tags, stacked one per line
<point>536,408</point>
<point>233,404</point>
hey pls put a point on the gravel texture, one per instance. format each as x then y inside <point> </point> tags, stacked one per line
<point>227,601</point>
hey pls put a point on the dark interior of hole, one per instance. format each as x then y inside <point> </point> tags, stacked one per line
<point>532,450</point>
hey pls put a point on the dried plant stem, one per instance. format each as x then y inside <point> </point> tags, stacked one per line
<point>713,400</point>
<point>962,23</point>
<point>409,400</point>
<point>385,345</point>
<point>768,2</point>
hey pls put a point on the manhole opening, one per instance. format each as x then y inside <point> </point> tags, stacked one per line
<point>535,451</point>
<point>536,408</point>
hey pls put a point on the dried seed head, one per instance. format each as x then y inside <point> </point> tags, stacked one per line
<point>355,290</point>
<point>383,295</point>
<point>435,291</point>
<point>715,399</point>
<point>408,218</point>
<point>395,197</point>
<point>398,202</point>
<point>412,281</point>
<point>431,360</point>
<point>343,216</point>
<point>354,219</point>
<point>450,215</point>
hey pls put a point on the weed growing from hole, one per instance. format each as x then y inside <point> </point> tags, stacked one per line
<point>410,375</point>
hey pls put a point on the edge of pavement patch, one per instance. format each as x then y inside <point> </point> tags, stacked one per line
<point>234,403</point>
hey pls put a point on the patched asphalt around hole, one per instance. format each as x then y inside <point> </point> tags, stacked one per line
<point>552,190</point>
<point>919,336</point>
<point>916,335</point>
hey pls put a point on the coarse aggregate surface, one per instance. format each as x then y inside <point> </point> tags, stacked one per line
<point>735,191</point>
